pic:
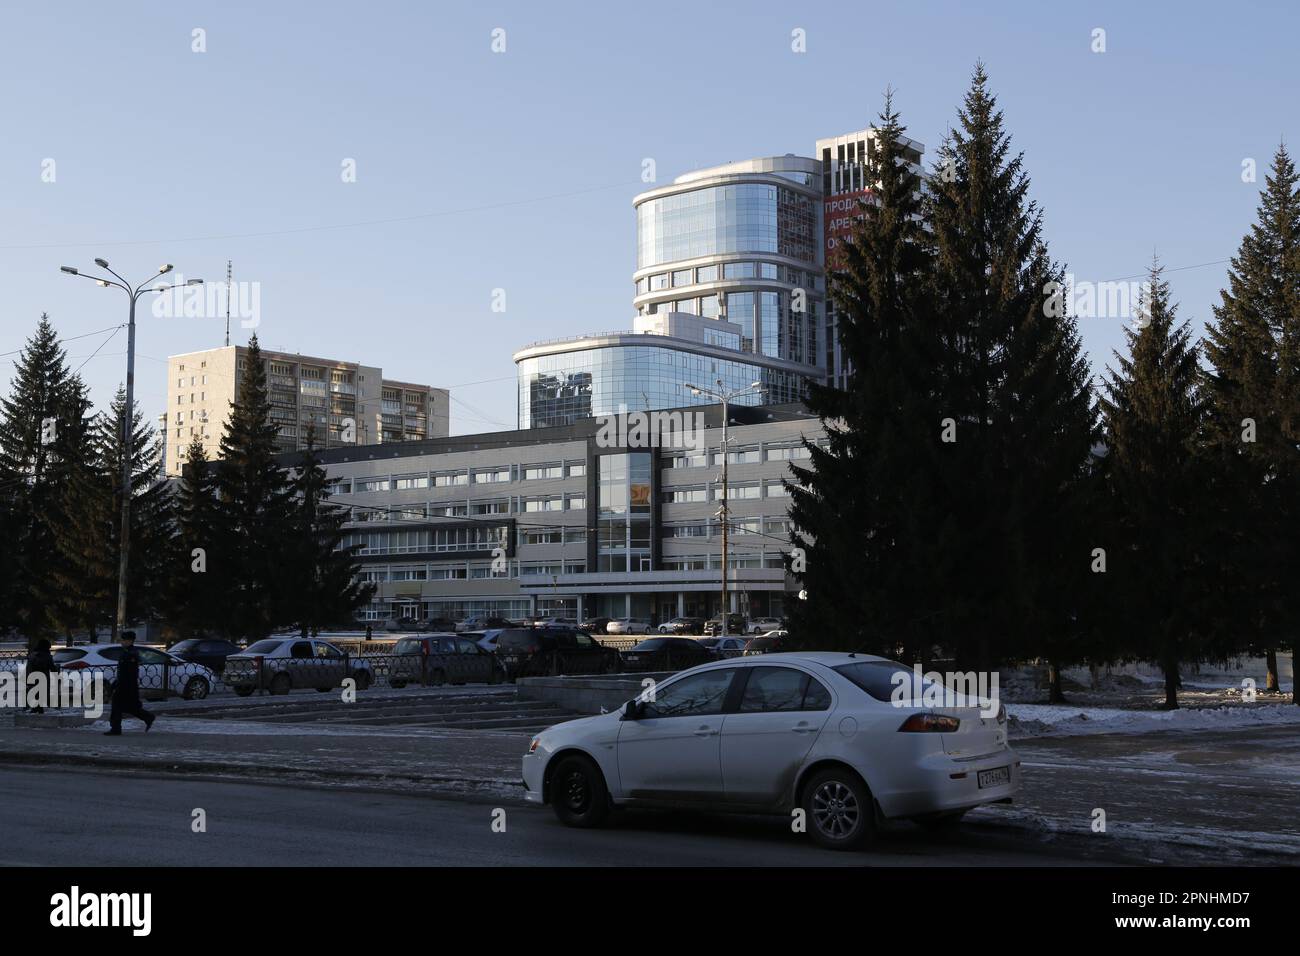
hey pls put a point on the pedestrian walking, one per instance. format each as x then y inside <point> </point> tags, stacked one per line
<point>40,661</point>
<point>126,691</point>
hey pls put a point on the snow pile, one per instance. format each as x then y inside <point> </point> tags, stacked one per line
<point>1032,720</point>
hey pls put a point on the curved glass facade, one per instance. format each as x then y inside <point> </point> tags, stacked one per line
<point>562,388</point>
<point>745,217</point>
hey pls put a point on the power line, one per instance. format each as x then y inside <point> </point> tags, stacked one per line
<point>71,338</point>
<point>96,352</point>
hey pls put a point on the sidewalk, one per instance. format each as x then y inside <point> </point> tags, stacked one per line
<point>449,763</point>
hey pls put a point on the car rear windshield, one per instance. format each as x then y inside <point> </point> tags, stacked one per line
<point>263,647</point>
<point>66,655</point>
<point>654,643</point>
<point>509,639</point>
<point>180,647</point>
<point>407,645</point>
<point>881,678</point>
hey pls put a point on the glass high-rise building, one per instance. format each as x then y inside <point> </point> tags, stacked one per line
<point>741,242</point>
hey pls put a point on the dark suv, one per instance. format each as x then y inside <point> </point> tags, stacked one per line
<point>533,651</point>
<point>735,625</point>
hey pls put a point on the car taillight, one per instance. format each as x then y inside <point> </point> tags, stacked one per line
<point>930,723</point>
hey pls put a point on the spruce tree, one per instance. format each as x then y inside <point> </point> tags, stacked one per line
<point>194,593</point>
<point>861,509</point>
<point>1016,404</point>
<point>43,441</point>
<point>254,508</point>
<point>1254,426</point>
<point>325,586</point>
<point>1162,559</point>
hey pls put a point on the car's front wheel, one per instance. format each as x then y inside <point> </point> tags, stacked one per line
<point>196,688</point>
<point>838,809</point>
<point>578,793</point>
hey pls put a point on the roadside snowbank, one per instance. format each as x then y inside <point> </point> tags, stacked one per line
<point>1036,720</point>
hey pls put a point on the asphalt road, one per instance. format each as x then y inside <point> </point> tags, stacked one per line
<point>136,820</point>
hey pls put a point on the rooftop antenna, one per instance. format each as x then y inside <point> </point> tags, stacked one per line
<point>227,302</point>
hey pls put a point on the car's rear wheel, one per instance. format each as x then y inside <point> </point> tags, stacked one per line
<point>578,793</point>
<point>839,809</point>
<point>243,691</point>
<point>196,688</point>
<point>363,679</point>
<point>281,684</point>
<point>399,684</point>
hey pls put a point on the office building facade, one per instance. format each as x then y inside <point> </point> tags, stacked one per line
<point>347,403</point>
<point>565,521</point>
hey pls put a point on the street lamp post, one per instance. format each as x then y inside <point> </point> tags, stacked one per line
<point>724,513</point>
<point>133,294</point>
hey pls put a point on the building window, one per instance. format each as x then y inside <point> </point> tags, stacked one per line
<point>682,277</point>
<point>410,482</point>
<point>577,469</point>
<point>371,484</point>
<point>450,478</point>
<point>536,472</point>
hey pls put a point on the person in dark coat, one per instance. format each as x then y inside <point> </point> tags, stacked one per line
<point>126,692</point>
<point>40,661</point>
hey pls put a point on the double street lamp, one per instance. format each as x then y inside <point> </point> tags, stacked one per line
<point>724,513</point>
<point>129,412</point>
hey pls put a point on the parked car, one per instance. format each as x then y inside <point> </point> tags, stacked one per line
<point>724,646</point>
<point>211,652</point>
<point>439,659</point>
<point>682,625</point>
<point>286,663</point>
<point>182,678</point>
<point>665,654</point>
<point>735,625</point>
<point>814,730</point>
<point>627,625</point>
<point>482,624</point>
<point>773,642</point>
<point>531,651</point>
<point>595,625</point>
<point>761,625</point>
<point>485,639</point>
<point>553,622</point>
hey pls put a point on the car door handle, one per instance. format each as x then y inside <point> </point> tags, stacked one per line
<point>803,728</point>
<point>704,732</point>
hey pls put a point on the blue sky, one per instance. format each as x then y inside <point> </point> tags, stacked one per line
<point>516,170</point>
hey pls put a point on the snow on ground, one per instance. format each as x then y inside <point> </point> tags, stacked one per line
<point>1034,720</point>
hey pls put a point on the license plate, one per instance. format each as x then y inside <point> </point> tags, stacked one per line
<point>997,777</point>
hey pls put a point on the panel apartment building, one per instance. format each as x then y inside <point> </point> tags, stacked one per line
<point>349,403</point>
<point>556,520</point>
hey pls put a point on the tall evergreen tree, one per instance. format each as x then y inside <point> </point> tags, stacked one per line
<point>254,507</point>
<point>1157,469</point>
<point>324,586</point>
<point>43,441</point>
<point>1254,419</point>
<point>1014,392</point>
<point>861,511</point>
<point>193,592</point>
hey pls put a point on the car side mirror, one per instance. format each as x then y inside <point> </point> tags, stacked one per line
<point>631,710</point>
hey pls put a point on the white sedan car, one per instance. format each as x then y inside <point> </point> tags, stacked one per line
<point>182,678</point>
<point>627,625</point>
<point>816,731</point>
